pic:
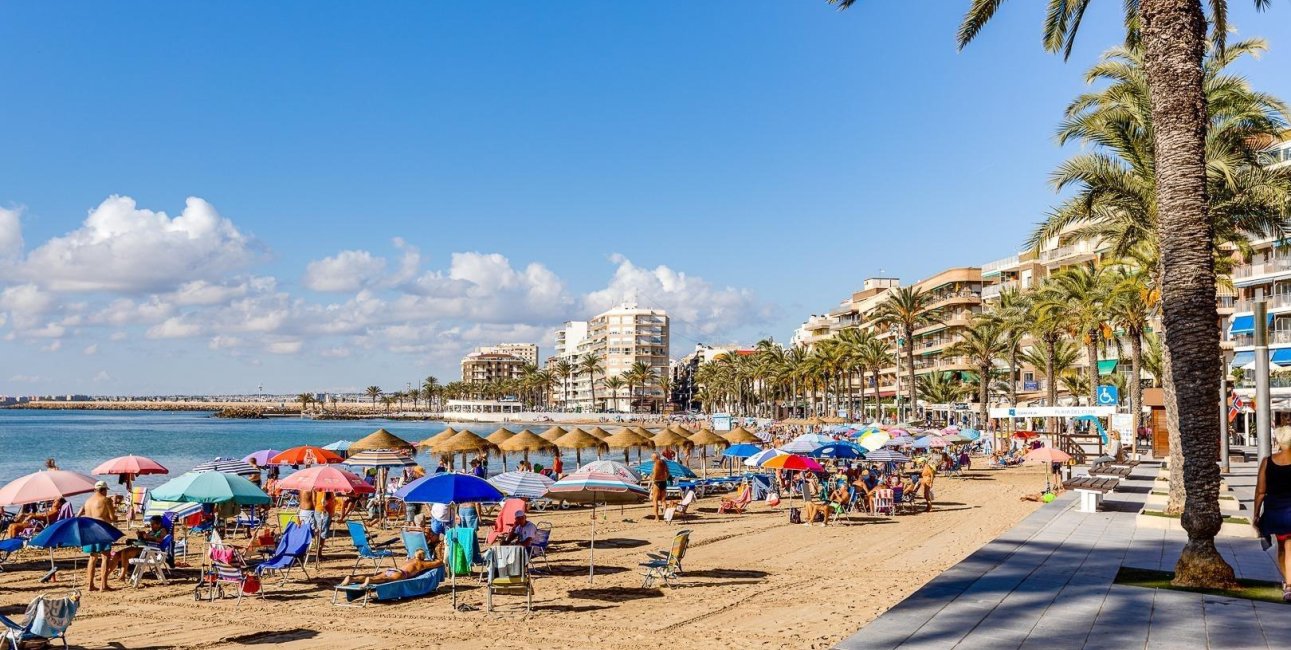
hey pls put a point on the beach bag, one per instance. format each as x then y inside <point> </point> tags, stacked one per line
<point>773,499</point>
<point>251,585</point>
<point>795,516</point>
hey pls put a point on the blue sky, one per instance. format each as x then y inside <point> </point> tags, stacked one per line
<point>380,188</point>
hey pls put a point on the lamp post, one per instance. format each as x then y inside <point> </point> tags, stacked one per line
<point>1262,405</point>
<point>896,346</point>
<point>1225,358</point>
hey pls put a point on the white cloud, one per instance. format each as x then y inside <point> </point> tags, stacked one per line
<point>10,234</point>
<point>202,292</point>
<point>102,376</point>
<point>91,350</point>
<point>175,327</point>
<point>285,347</point>
<point>344,272</point>
<point>123,248</point>
<point>338,352</point>
<point>26,379</point>
<point>53,346</point>
<point>222,342</point>
<point>26,305</point>
<point>118,336</point>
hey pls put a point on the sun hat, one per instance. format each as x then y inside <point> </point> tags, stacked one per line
<point>101,485</point>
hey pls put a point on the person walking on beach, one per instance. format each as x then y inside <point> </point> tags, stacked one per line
<point>1272,506</point>
<point>925,482</point>
<point>99,506</point>
<point>659,477</point>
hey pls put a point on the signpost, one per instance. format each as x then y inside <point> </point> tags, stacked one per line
<point>1050,411</point>
<point>1108,395</point>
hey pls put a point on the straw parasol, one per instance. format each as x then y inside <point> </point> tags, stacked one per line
<point>578,441</point>
<point>381,439</point>
<point>553,433</point>
<point>667,438</point>
<point>702,439</point>
<point>832,419</point>
<point>740,434</point>
<point>625,438</point>
<point>430,442</point>
<point>600,433</point>
<point>501,434</point>
<point>642,431</point>
<point>463,442</point>
<point>682,430</point>
<point>525,441</point>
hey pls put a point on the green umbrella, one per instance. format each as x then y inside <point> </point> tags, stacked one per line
<point>211,487</point>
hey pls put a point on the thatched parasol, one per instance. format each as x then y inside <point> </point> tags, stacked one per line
<point>578,441</point>
<point>463,442</point>
<point>668,438</point>
<point>626,438</point>
<point>382,439</point>
<point>600,433</point>
<point>642,431</point>
<point>497,437</point>
<point>437,438</point>
<point>552,434</point>
<point>525,441</point>
<point>740,434</point>
<point>703,438</point>
<point>682,430</point>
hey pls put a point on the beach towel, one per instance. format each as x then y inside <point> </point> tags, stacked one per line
<point>510,561</point>
<point>463,551</point>
<point>50,617</point>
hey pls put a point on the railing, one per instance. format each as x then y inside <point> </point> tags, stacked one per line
<point>1278,336</point>
<point>992,267</point>
<point>1273,302</point>
<point>1271,266</point>
<point>1063,252</point>
<point>994,290</point>
<point>1274,382</point>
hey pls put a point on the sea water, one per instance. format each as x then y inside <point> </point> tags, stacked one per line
<point>79,440</point>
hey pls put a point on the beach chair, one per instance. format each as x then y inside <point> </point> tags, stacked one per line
<point>538,549</point>
<point>505,520</point>
<point>884,502</point>
<point>227,569</point>
<point>666,565</point>
<point>682,508</point>
<point>738,504</point>
<point>154,559</point>
<point>414,540</point>
<point>507,572</point>
<point>413,587</point>
<point>292,550</point>
<point>359,537</point>
<point>9,547</point>
<point>45,620</point>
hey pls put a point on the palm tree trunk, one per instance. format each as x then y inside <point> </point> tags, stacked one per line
<point>1136,381</point>
<point>983,393</point>
<point>1051,378</point>
<point>1174,33</point>
<point>1091,353</point>
<point>909,359</point>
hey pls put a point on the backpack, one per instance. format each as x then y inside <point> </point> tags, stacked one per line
<point>795,516</point>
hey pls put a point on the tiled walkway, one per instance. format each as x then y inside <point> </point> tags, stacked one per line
<point>1047,583</point>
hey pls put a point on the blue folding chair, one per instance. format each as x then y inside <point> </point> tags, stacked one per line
<point>359,537</point>
<point>414,540</point>
<point>46,619</point>
<point>9,547</point>
<point>292,550</point>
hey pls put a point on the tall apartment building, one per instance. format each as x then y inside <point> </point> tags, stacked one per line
<point>481,367</point>
<point>526,352</point>
<point>620,337</point>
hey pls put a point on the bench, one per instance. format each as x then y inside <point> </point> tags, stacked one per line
<point>1111,471</point>
<point>1091,490</point>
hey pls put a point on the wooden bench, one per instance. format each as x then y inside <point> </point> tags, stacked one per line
<point>1111,471</point>
<point>1091,490</point>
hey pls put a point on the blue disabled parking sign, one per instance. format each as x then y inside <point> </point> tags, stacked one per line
<point>1108,395</point>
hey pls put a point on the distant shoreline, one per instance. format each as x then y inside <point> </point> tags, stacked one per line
<point>341,411</point>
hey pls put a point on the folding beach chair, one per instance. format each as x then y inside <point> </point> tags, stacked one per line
<point>414,540</point>
<point>154,559</point>
<point>538,549</point>
<point>9,547</point>
<point>46,619</point>
<point>666,565</point>
<point>507,572</point>
<point>359,537</point>
<point>884,502</point>
<point>292,550</point>
<point>682,508</point>
<point>739,503</point>
<point>227,569</point>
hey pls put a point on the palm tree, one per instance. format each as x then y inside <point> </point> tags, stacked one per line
<point>940,388</point>
<point>565,370</point>
<point>613,384</point>
<point>874,357</point>
<point>1012,312</point>
<point>1132,304</point>
<point>665,386</point>
<point>305,400</point>
<point>387,400</point>
<point>906,308</point>
<point>640,374</point>
<point>1083,293</point>
<point>590,363</point>
<point>1172,34</point>
<point>374,392</point>
<point>982,342</point>
<point>429,388</point>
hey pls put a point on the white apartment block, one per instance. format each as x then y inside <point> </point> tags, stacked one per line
<point>620,338</point>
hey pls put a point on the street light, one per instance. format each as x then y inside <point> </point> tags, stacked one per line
<point>896,345</point>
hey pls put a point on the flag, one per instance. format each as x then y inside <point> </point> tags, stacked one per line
<point>1235,407</point>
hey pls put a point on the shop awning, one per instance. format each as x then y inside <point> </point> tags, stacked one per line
<point>1281,356</point>
<point>1242,358</point>
<point>1244,324</point>
<point>1107,366</point>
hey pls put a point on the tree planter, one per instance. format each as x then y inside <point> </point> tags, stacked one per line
<point>1156,520</point>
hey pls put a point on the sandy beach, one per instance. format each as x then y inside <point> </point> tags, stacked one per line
<point>751,580</point>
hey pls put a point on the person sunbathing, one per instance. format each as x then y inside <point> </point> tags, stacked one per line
<point>44,518</point>
<point>415,566</point>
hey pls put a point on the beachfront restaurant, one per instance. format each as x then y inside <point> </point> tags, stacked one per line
<point>483,406</point>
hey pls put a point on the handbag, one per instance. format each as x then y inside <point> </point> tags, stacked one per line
<point>795,516</point>
<point>773,499</point>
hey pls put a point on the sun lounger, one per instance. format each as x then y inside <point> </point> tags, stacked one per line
<point>359,537</point>
<point>666,565</point>
<point>398,590</point>
<point>9,547</point>
<point>414,540</point>
<point>681,508</point>
<point>46,619</point>
<point>507,572</point>
<point>738,504</point>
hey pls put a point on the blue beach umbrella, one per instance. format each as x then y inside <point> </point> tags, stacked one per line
<point>742,450</point>
<point>676,469</point>
<point>76,531</point>
<point>339,446</point>
<point>211,487</point>
<point>841,450</point>
<point>449,488</point>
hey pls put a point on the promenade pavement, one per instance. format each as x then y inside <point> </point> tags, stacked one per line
<point>1047,583</point>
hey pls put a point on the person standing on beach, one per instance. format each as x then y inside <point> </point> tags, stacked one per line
<point>925,482</point>
<point>659,477</point>
<point>99,506</point>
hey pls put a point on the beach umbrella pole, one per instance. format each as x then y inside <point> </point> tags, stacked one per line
<point>591,568</point>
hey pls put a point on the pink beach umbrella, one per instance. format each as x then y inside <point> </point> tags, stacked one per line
<point>1048,455</point>
<point>131,466</point>
<point>326,478</point>
<point>47,485</point>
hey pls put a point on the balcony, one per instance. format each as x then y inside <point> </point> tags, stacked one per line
<point>1275,337</point>
<point>993,291</point>
<point>1067,253</point>
<point>1275,265</point>
<point>963,295</point>
<point>1274,302</point>
<point>991,268</point>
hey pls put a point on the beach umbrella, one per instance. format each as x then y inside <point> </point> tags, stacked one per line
<point>553,433</point>
<point>211,487</point>
<point>897,431</point>
<point>703,438</point>
<point>807,442</point>
<point>669,438</point>
<point>1048,455</point>
<point>307,455</point>
<point>525,441</point>
<point>46,485</point>
<point>611,467</point>
<point>599,433</point>
<point>626,438</point>
<point>382,439</point>
<point>449,488</point>
<point>757,459</point>
<point>430,442</point>
<point>886,456</point>
<point>1026,435</point>
<point>523,485</point>
<point>951,429</point>
<point>76,531</point>
<point>833,419</point>
<point>578,441</point>
<point>228,466</point>
<point>326,478</point>
<point>739,435</point>
<point>793,462</point>
<point>970,434</point>
<point>340,446</point>
<point>677,428</point>
<point>500,435</point>
<point>131,466</point>
<point>676,469</point>
<point>643,432</point>
<point>260,457</point>
<point>840,450</point>
<point>463,443</point>
<point>930,442</point>
<point>595,488</point>
<point>742,450</point>
<point>898,441</point>
<point>873,439</point>
<point>954,438</point>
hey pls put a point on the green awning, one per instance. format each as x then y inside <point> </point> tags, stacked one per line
<point>1107,366</point>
